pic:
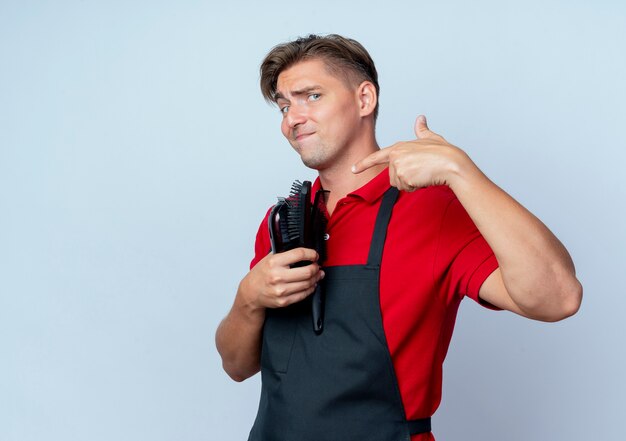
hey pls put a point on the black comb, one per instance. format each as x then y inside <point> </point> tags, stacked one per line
<point>290,220</point>
<point>296,222</point>
<point>318,238</point>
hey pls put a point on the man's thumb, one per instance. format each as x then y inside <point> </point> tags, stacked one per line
<point>421,128</point>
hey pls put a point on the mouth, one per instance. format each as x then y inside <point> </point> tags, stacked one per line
<point>302,136</point>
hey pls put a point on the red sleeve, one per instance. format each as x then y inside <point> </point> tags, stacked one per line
<point>463,259</point>
<point>262,245</point>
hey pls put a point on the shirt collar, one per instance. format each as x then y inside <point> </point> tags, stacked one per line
<point>370,192</point>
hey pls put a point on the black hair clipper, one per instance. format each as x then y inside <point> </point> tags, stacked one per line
<point>296,222</point>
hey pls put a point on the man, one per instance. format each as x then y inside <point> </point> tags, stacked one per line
<point>412,229</point>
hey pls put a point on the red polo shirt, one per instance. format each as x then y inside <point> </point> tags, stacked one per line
<point>433,257</point>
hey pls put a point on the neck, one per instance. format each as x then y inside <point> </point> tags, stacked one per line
<point>339,179</point>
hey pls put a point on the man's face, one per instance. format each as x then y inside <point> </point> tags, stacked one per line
<point>320,112</point>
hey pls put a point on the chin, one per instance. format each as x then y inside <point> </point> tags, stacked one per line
<point>315,163</point>
<point>312,164</point>
<point>316,157</point>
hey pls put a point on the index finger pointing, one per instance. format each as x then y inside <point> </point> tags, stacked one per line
<point>376,158</point>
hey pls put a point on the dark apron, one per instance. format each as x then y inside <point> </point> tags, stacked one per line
<point>340,384</point>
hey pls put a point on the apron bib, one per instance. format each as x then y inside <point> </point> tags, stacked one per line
<point>340,384</point>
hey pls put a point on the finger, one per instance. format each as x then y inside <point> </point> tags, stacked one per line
<point>290,257</point>
<point>299,287</point>
<point>397,174</point>
<point>398,177</point>
<point>295,297</point>
<point>379,157</point>
<point>421,129</point>
<point>393,177</point>
<point>308,272</point>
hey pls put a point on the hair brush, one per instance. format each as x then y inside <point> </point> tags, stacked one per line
<point>296,222</point>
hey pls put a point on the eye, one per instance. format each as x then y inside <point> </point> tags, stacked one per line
<point>315,96</point>
<point>284,109</point>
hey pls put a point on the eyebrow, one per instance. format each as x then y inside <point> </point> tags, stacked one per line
<point>306,90</point>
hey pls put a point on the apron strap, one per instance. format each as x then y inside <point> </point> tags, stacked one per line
<point>380,228</point>
<point>419,426</point>
<point>374,259</point>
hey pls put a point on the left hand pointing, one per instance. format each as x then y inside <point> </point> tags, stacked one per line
<point>427,160</point>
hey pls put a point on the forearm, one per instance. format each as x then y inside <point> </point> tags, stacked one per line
<point>537,271</point>
<point>536,276</point>
<point>238,338</point>
<point>272,283</point>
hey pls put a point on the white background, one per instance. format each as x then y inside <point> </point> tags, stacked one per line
<point>137,158</point>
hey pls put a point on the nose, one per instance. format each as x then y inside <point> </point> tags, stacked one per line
<point>295,116</point>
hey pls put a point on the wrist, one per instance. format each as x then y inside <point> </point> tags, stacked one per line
<point>461,170</point>
<point>245,301</point>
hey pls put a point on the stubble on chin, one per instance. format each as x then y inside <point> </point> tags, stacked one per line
<point>314,163</point>
<point>316,158</point>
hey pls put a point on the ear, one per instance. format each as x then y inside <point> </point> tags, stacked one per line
<point>367,98</point>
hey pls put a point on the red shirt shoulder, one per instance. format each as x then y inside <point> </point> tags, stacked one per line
<point>262,245</point>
